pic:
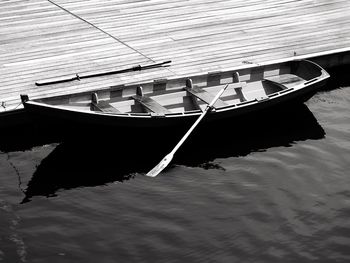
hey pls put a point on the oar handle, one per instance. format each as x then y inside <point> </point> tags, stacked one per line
<point>139,67</point>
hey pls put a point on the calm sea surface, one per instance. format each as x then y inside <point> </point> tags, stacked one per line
<point>274,189</point>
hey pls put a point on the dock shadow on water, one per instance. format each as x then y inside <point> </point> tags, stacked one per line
<point>98,159</point>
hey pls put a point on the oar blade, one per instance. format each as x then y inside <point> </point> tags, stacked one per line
<point>167,159</point>
<point>160,166</point>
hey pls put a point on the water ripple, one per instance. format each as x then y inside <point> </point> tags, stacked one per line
<point>272,192</point>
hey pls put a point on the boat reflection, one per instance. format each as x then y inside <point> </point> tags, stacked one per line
<point>94,160</point>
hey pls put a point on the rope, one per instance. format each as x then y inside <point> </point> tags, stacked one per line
<point>18,105</point>
<point>3,104</point>
<point>100,29</point>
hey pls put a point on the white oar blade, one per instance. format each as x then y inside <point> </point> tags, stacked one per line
<point>160,167</point>
<point>167,159</point>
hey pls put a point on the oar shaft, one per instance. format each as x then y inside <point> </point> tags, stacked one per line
<point>178,145</point>
<point>98,74</point>
<point>136,68</point>
<point>167,159</point>
<point>194,125</point>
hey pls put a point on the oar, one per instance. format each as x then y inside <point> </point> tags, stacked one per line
<point>167,159</point>
<point>98,74</point>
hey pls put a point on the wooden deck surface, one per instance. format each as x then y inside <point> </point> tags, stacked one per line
<point>41,39</point>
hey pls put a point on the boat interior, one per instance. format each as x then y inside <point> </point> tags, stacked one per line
<point>162,97</point>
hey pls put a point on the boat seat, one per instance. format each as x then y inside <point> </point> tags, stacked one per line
<point>238,85</point>
<point>254,92</point>
<point>149,103</point>
<point>285,80</point>
<point>208,97</point>
<point>103,106</point>
<point>239,91</point>
<point>203,95</point>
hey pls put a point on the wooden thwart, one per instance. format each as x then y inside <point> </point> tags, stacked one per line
<point>239,92</point>
<point>103,106</point>
<point>207,97</point>
<point>202,94</point>
<point>285,80</point>
<point>149,103</point>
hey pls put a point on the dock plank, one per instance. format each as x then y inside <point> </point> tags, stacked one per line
<point>43,39</point>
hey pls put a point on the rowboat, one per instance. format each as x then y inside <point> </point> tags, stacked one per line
<point>175,102</point>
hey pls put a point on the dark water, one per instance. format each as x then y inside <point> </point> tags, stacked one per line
<point>272,189</point>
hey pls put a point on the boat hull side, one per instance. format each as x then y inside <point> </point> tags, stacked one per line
<point>60,117</point>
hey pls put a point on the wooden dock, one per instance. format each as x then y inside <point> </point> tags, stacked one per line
<point>42,39</point>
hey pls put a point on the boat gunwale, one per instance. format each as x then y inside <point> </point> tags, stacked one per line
<point>269,97</point>
<point>182,77</point>
<point>273,96</point>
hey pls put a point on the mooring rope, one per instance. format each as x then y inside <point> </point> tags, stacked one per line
<point>3,104</point>
<point>100,29</point>
<point>18,105</point>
